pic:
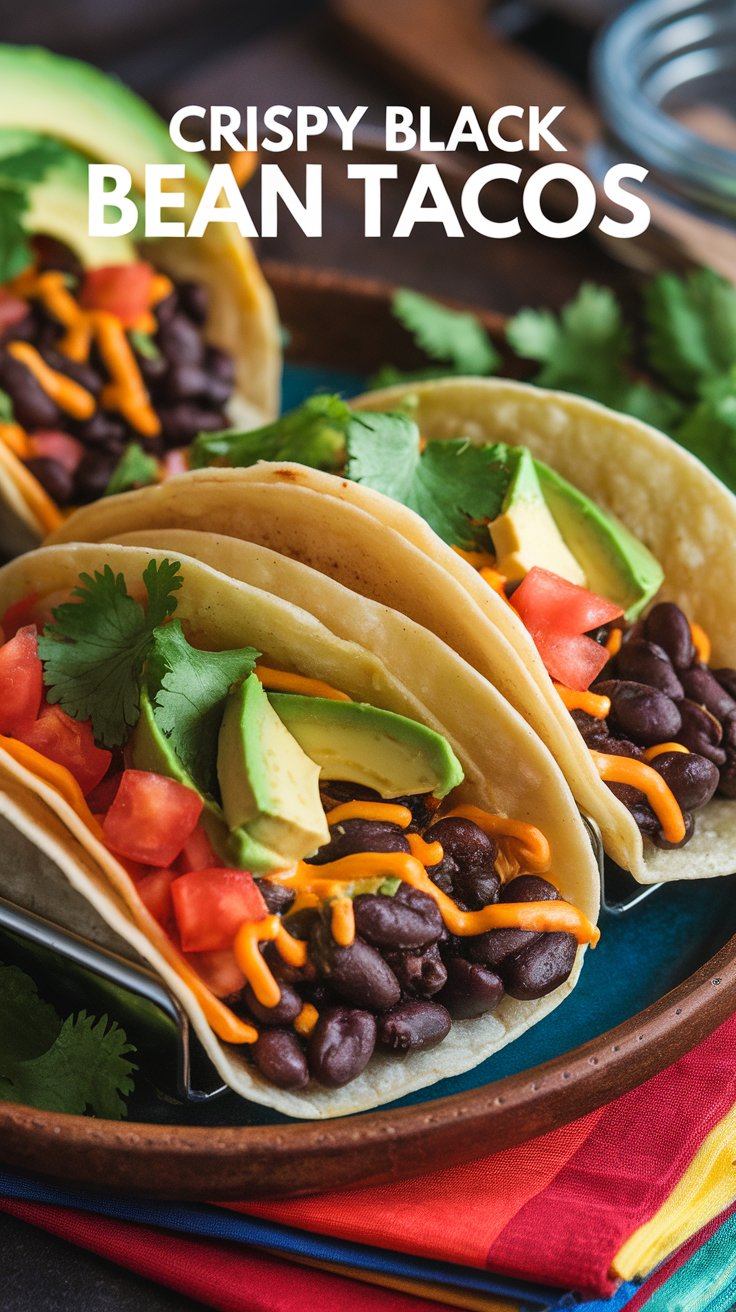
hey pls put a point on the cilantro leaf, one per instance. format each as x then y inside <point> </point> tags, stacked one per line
<point>31,161</point>
<point>94,650</point>
<point>454,337</point>
<point>71,1067</point>
<point>144,344</point>
<point>6,408</point>
<point>313,434</point>
<point>134,469</point>
<point>451,484</point>
<point>692,328</point>
<point>189,688</point>
<point>582,350</point>
<point>709,429</point>
<point>19,169</point>
<point>15,252</point>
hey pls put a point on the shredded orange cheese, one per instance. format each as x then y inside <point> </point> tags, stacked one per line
<point>387,811</point>
<point>342,921</point>
<point>624,770</point>
<point>283,681</point>
<point>68,395</point>
<point>701,643</point>
<point>306,1020</point>
<point>590,702</point>
<point>659,749</point>
<point>530,843</point>
<point>613,642</point>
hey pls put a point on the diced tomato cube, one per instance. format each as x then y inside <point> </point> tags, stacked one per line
<point>13,311</point>
<point>61,447</point>
<point>211,905</point>
<point>21,681</point>
<point>121,289</point>
<point>69,743</point>
<point>559,615</point>
<point>151,817</point>
<point>197,853</point>
<point>154,890</point>
<point>218,970</point>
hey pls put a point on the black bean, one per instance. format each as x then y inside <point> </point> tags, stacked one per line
<point>286,1010</point>
<point>32,406</point>
<point>529,888</point>
<point>494,947</point>
<point>168,308</point>
<point>55,478</point>
<point>104,429</point>
<point>693,779</point>
<point>357,973</point>
<point>25,330</point>
<point>422,807</point>
<point>94,472</point>
<point>180,341</point>
<point>645,662</point>
<point>194,298</point>
<point>351,836</point>
<point>220,364</point>
<point>187,382</point>
<point>727,782</point>
<point>633,800</point>
<point>703,687</point>
<point>701,732</point>
<point>668,626</point>
<point>181,423</point>
<point>281,969</point>
<point>620,747</point>
<point>659,839</point>
<point>278,897</point>
<point>471,990</point>
<point>592,730</point>
<point>51,253</point>
<point>341,1045</point>
<point>414,1027</point>
<point>335,791</point>
<point>392,922</point>
<point>468,864</point>
<point>727,679</point>
<point>421,974</point>
<point>280,1059</point>
<point>541,967</point>
<point>643,714</point>
<point>153,368</point>
<point>79,370</point>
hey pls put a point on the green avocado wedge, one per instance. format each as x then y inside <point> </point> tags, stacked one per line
<point>362,744</point>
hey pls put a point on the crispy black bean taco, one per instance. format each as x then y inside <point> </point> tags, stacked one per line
<point>577,558</point>
<point>349,858</point>
<point>115,351</point>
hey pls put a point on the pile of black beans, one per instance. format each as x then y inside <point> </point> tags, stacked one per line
<point>398,987</point>
<point>661,692</point>
<point>189,384</point>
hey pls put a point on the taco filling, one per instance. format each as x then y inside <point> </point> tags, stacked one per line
<point>659,722</point>
<point>295,855</point>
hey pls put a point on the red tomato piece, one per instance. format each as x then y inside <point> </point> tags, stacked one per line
<point>21,681</point>
<point>154,890</point>
<point>121,289</point>
<point>13,311</point>
<point>218,970</point>
<point>176,461</point>
<point>197,853</point>
<point>61,447</point>
<point>151,817</point>
<point>558,615</point>
<point>211,905</point>
<point>20,613</point>
<point>69,743</point>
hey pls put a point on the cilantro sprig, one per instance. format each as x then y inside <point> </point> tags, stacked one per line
<point>135,468</point>
<point>313,434</point>
<point>76,1065</point>
<point>456,340</point>
<point>93,652</point>
<point>19,169</point>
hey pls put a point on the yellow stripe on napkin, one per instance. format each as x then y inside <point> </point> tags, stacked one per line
<point>707,1187</point>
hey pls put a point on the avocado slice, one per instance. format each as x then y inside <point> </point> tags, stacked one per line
<point>95,114</point>
<point>616,564</point>
<point>364,745</point>
<point>57,205</point>
<point>269,785</point>
<point>525,533</point>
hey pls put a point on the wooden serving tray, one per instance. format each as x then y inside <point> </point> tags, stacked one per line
<point>346,324</point>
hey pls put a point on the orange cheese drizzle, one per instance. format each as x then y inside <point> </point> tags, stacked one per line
<point>283,681</point>
<point>529,842</point>
<point>16,439</point>
<point>127,392</point>
<point>624,770</point>
<point>539,916</point>
<point>306,1020</point>
<point>494,580</point>
<point>590,702</point>
<point>386,811</point>
<point>342,921</point>
<point>701,643</point>
<point>430,854</point>
<point>68,395</point>
<point>659,748</point>
<point>613,642</point>
<point>478,559</point>
<point>243,164</point>
<point>56,776</point>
